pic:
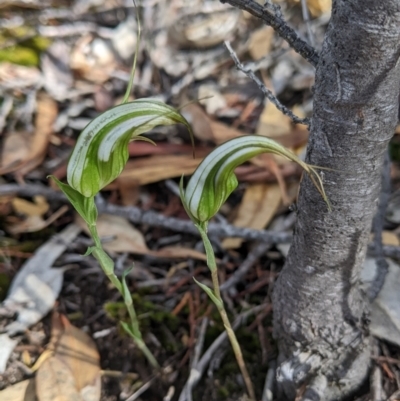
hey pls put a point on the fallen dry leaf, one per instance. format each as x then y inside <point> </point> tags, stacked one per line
<point>127,237</point>
<point>205,29</point>
<point>16,148</point>
<point>34,149</point>
<point>223,132</point>
<point>38,207</point>
<point>36,285</point>
<point>178,252</point>
<point>128,191</point>
<point>316,7</point>
<point>55,382</point>
<point>199,121</point>
<point>388,238</point>
<point>93,59</point>
<point>159,167</point>
<point>35,223</point>
<point>260,42</point>
<point>17,76</point>
<point>273,123</point>
<point>259,205</point>
<point>78,352</point>
<point>22,391</point>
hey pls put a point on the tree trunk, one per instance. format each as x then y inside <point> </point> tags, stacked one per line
<point>320,314</point>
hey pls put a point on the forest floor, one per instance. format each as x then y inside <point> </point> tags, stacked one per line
<point>62,63</point>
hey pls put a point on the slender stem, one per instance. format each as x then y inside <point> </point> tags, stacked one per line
<point>212,265</point>
<point>132,76</point>
<point>107,265</point>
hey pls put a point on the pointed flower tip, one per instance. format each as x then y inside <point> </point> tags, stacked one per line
<point>214,179</point>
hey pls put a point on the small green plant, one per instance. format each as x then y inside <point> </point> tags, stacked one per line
<point>98,158</point>
<point>207,190</point>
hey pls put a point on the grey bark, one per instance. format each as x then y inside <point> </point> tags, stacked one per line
<point>320,314</point>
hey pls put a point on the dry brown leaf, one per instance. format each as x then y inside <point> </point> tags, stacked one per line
<point>259,205</point>
<point>17,76</point>
<point>223,132</point>
<point>92,392</point>
<point>159,167</point>
<point>205,29</point>
<point>317,7</point>
<point>38,207</point>
<point>93,59</point>
<point>76,350</point>
<point>273,123</point>
<point>260,42</point>
<point>127,238</point>
<point>199,121</point>
<point>178,252</point>
<point>35,223</point>
<point>33,151</point>
<point>16,148</point>
<point>55,382</point>
<point>388,238</point>
<point>128,191</point>
<point>22,391</point>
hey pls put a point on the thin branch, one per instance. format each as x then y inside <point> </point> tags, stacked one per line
<point>268,94</point>
<point>194,373</point>
<point>280,26</point>
<point>268,391</point>
<point>247,264</point>
<point>153,219</point>
<point>218,342</point>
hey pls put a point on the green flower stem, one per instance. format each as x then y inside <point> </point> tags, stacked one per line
<point>107,265</point>
<point>215,296</point>
<point>105,261</point>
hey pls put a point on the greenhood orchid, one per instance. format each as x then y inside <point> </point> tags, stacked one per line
<point>214,179</point>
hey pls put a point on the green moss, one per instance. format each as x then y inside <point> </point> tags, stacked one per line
<point>151,317</point>
<point>22,51</point>
<point>222,392</point>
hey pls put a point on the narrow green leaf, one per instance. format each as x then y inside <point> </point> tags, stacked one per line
<point>128,329</point>
<point>210,293</point>
<point>125,290</point>
<point>214,179</point>
<point>101,151</point>
<point>105,261</point>
<point>85,206</point>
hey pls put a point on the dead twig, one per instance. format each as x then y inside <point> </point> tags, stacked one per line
<point>268,391</point>
<point>193,377</point>
<point>250,260</point>
<point>267,93</point>
<point>154,219</point>
<point>280,26</point>
<point>218,342</point>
